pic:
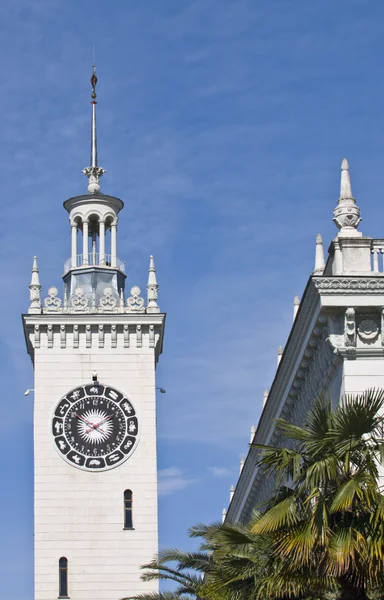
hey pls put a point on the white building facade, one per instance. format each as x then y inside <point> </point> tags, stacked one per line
<point>335,347</point>
<point>94,354</point>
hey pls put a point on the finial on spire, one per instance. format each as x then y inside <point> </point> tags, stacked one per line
<point>253,431</point>
<point>345,183</point>
<point>231,492</point>
<point>346,215</point>
<point>296,304</point>
<point>279,354</point>
<point>266,392</point>
<point>93,172</point>
<point>152,288</point>
<point>319,256</point>
<point>242,463</point>
<point>34,290</point>
<point>223,515</point>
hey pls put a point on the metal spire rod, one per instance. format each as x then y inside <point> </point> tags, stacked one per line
<point>94,172</point>
<point>94,133</point>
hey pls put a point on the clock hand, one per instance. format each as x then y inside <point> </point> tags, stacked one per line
<point>97,425</point>
<point>83,419</point>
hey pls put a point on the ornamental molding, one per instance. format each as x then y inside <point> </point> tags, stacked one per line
<point>52,303</point>
<point>349,285</point>
<point>368,330</point>
<point>79,302</point>
<point>341,335</point>
<point>135,303</point>
<point>311,379</point>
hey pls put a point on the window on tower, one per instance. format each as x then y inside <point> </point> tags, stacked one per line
<point>128,501</point>
<point>63,577</point>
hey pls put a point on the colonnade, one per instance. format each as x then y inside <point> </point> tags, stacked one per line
<point>102,226</point>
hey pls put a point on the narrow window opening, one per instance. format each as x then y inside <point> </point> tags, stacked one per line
<point>128,501</point>
<point>63,577</point>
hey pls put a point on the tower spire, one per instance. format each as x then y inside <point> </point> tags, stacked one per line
<point>93,172</point>
<point>346,215</point>
<point>34,290</point>
<point>319,256</point>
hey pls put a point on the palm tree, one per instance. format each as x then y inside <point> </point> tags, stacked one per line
<point>186,569</point>
<point>327,516</point>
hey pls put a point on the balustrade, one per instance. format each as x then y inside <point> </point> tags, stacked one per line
<point>94,259</point>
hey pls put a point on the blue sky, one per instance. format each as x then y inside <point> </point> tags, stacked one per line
<point>222,125</point>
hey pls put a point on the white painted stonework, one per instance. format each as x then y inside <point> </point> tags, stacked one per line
<point>336,344</point>
<point>78,514</point>
<point>95,332</point>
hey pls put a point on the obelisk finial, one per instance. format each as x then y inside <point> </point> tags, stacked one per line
<point>346,215</point>
<point>34,290</point>
<point>152,288</point>
<point>319,256</point>
<point>93,172</point>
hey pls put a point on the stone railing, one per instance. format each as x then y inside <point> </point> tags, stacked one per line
<point>377,250</point>
<point>93,260</point>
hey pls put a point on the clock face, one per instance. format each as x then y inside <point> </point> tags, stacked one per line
<point>95,427</point>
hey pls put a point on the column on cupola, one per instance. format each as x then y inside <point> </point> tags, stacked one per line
<point>74,245</point>
<point>113,244</point>
<point>85,242</point>
<point>94,236</point>
<point>102,242</point>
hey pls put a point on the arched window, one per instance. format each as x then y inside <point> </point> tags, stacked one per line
<point>128,501</point>
<point>63,577</point>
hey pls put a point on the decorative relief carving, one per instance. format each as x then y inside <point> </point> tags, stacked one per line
<point>78,301</point>
<point>346,285</point>
<point>101,336</point>
<point>63,338</point>
<point>108,302</point>
<point>310,382</point>
<point>135,303</point>
<point>151,336</point>
<point>75,336</point>
<point>113,336</point>
<point>382,327</point>
<point>88,336</point>
<point>50,336</point>
<point>126,336</point>
<point>139,336</point>
<point>52,303</point>
<point>350,330</point>
<point>37,336</point>
<point>368,331</point>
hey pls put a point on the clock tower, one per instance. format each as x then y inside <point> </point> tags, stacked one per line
<point>94,353</point>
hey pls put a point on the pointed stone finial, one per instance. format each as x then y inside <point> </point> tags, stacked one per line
<point>223,515</point>
<point>242,463</point>
<point>319,256</point>
<point>279,354</point>
<point>34,290</point>
<point>345,183</point>
<point>231,492</point>
<point>346,215</point>
<point>152,288</point>
<point>266,392</point>
<point>253,431</point>
<point>93,172</point>
<point>296,304</point>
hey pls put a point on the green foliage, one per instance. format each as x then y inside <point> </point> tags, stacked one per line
<point>321,535</point>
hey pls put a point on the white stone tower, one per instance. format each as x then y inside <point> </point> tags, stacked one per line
<point>94,355</point>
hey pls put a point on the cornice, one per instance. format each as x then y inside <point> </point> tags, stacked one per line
<point>85,331</point>
<point>305,326</point>
<point>349,285</point>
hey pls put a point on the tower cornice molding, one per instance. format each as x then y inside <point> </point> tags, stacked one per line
<point>88,199</point>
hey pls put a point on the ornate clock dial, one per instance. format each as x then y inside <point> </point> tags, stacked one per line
<point>95,427</point>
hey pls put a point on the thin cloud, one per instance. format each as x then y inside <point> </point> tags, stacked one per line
<point>173,479</point>
<point>220,471</point>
